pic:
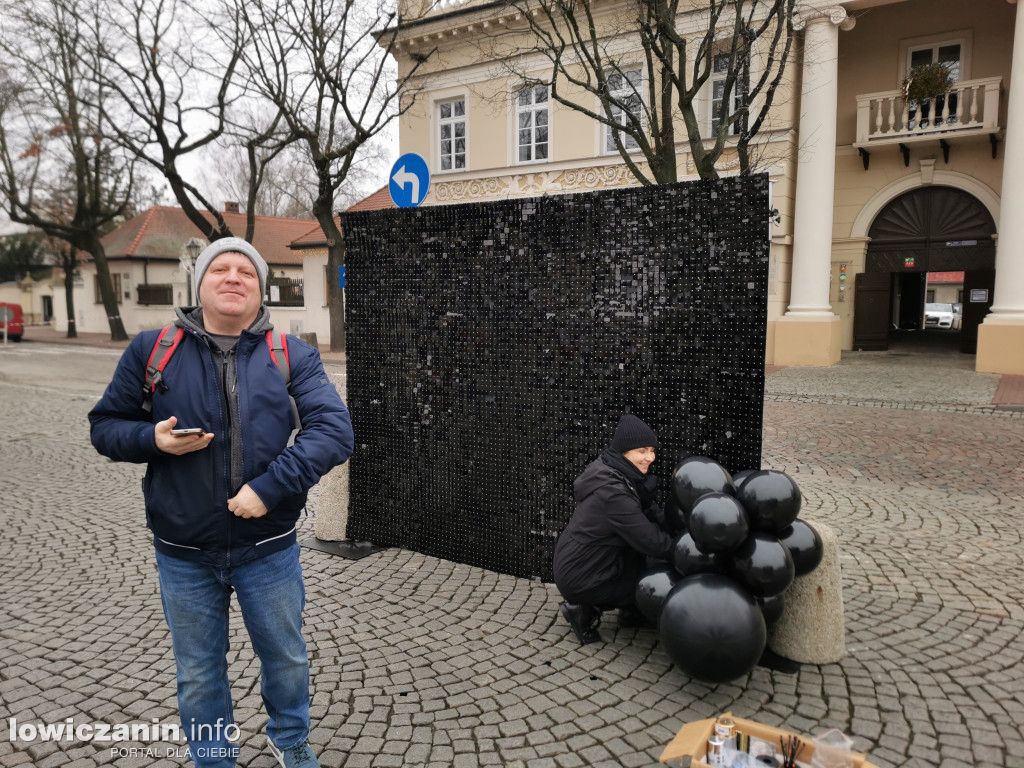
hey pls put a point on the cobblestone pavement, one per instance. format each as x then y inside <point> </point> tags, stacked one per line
<point>419,661</point>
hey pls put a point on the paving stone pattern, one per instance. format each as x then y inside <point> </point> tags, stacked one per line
<point>418,661</point>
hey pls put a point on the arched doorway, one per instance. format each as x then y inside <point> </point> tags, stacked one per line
<point>929,230</point>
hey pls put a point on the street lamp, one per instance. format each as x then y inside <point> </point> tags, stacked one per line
<point>191,252</point>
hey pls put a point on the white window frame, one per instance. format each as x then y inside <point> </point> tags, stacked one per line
<point>962,37</point>
<point>607,138</point>
<point>709,123</point>
<point>531,110</point>
<point>451,121</point>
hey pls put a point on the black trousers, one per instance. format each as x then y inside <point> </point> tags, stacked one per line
<point>617,593</point>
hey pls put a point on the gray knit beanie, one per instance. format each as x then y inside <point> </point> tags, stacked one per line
<point>225,244</point>
<point>633,433</point>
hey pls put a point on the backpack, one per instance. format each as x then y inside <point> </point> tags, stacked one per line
<point>167,343</point>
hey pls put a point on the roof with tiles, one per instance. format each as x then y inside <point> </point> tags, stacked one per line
<point>162,231</point>
<point>314,238</point>
<point>375,202</point>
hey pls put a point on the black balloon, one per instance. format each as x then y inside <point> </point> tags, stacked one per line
<point>689,559</point>
<point>771,499</point>
<point>711,628</point>
<point>739,477</point>
<point>718,523</point>
<point>771,608</point>
<point>804,544</point>
<point>697,475</point>
<point>652,589</point>
<point>763,565</point>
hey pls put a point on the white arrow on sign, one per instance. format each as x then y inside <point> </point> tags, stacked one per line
<point>401,177</point>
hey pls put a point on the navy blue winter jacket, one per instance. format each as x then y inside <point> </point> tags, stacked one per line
<point>186,496</point>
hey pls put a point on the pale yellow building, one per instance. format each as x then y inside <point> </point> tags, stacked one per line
<point>873,194</point>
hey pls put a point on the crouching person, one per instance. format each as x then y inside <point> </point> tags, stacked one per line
<point>223,501</point>
<point>615,527</point>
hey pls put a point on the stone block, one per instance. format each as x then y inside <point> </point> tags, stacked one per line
<point>812,629</point>
<point>331,519</point>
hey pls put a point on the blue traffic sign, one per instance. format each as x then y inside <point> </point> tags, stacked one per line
<point>409,180</point>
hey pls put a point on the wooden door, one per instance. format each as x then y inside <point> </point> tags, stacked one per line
<point>871,311</point>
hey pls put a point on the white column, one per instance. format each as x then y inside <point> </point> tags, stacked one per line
<point>1008,298</point>
<point>1001,334</point>
<point>816,158</point>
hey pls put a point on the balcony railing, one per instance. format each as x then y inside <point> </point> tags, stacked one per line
<point>969,107</point>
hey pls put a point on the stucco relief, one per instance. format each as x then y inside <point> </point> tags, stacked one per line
<point>532,184</point>
<point>473,189</point>
<point>597,178</point>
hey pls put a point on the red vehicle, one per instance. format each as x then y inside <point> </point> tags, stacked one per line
<point>10,318</point>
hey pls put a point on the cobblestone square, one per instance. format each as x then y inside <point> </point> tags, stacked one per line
<point>418,661</point>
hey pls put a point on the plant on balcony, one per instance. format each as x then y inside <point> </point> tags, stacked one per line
<point>926,81</point>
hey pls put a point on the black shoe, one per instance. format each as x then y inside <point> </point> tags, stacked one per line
<point>630,617</point>
<point>584,620</point>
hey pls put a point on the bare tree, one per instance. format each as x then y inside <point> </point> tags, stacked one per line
<point>639,69</point>
<point>60,173</point>
<point>67,259</point>
<point>289,183</point>
<point>174,77</point>
<point>286,188</point>
<point>324,65</point>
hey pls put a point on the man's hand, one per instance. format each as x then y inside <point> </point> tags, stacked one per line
<point>246,503</point>
<point>178,444</point>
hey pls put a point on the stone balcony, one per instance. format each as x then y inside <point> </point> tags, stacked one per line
<point>969,110</point>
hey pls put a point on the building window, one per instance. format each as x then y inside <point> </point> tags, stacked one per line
<point>452,125</point>
<point>156,293</point>
<point>739,90</point>
<point>625,88</point>
<point>115,278</point>
<point>949,54</point>
<point>285,292</point>
<point>532,121</point>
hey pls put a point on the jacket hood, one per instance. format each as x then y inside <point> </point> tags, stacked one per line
<point>597,475</point>
<point>191,318</point>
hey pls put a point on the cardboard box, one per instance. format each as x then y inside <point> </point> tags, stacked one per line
<point>692,741</point>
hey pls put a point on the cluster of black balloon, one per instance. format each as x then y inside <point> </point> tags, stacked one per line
<point>742,547</point>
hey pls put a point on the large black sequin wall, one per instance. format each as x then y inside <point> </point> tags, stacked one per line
<point>493,346</point>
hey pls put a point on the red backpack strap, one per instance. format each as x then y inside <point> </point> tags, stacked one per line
<point>278,344</point>
<point>164,347</point>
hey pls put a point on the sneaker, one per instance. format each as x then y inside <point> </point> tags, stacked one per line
<point>584,620</point>
<point>299,756</point>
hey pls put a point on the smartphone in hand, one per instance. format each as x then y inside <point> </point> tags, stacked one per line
<point>188,431</point>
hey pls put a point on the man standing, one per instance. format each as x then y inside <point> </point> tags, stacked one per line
<point>223,502</point>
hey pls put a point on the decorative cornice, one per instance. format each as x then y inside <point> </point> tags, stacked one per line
<point>531,184</point>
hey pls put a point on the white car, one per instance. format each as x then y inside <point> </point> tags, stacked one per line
<point>938,315</point>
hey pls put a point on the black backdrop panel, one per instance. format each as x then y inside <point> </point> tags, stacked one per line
<point>493,346</point>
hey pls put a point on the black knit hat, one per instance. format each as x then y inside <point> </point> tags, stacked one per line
<point>632,433</point>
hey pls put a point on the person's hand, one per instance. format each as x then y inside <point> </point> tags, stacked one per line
<point>178,444</point>
<point>246,503</point>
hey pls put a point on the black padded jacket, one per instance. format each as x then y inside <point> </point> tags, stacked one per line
<point>607,532</point>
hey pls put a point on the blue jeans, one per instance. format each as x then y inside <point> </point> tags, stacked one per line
<point>271,595</point>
